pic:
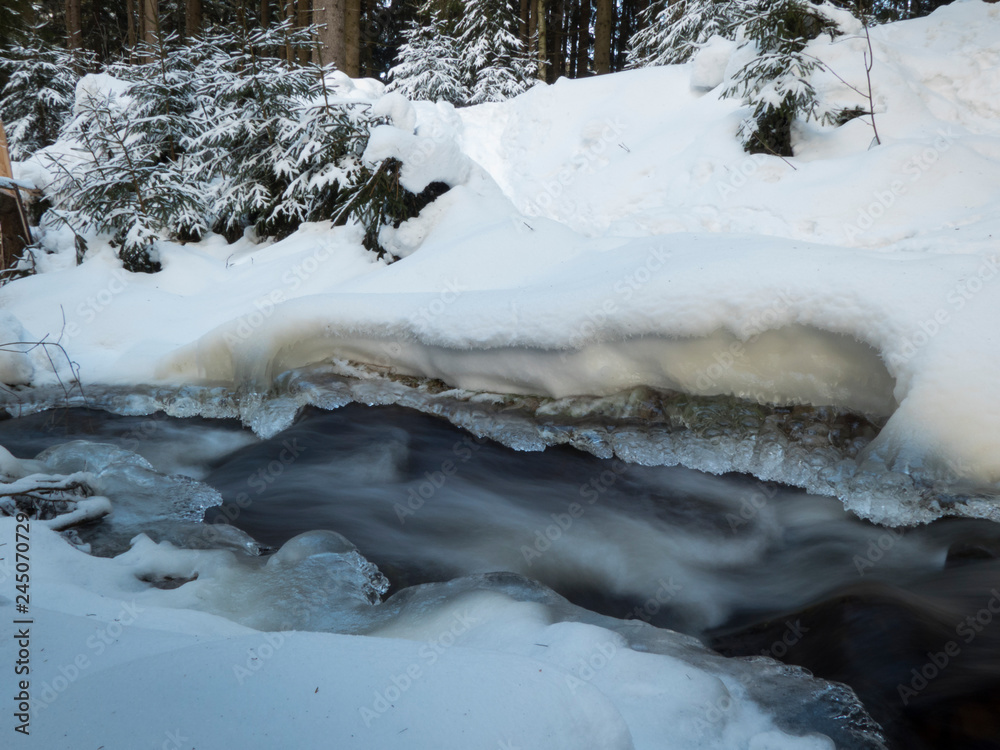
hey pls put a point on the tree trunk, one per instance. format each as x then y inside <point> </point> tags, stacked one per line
<point>290,17</point>
<point>74,25</point>
<point>192,18</point>
<point>304,14</point>
<point>602,37</point>
<point>522,22</point>
<point>628,24</point>
<point>150,21</point>
<point>532,28</point>
<point>332,44</point>
<point>557,46</point>
<point>573,32</point>
<point>583,40</point>
<point>265,14</point>
<point>130,18</point>
<point>369,33</point>
<point>543,55</point>
<point>352,37</point>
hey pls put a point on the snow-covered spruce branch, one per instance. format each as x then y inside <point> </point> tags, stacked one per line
<point>670,33</point>
<point>776,82</point>
<point>37,98</point>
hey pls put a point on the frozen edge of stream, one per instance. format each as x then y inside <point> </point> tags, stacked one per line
<point>825,450</point>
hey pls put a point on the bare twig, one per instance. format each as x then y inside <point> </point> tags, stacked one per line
<point>834,73</point>
<point>869,61</point>
<point>18,347</point>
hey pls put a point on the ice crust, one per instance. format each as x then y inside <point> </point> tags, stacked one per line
<point>826,450</point>
<point>81,482</point>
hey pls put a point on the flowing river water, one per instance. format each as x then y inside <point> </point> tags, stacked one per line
<point>909,618</point>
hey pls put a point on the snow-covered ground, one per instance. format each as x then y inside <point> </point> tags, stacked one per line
<point>601,235</point>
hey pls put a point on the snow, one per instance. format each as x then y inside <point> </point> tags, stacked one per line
<point>600,236</point>
<point>397,109</point>
<point>99,86</point>
<point>609,233</point>
<point>457,664</point>
<point>426,158</point>
<point>16,367</point>
<point>710,62</point>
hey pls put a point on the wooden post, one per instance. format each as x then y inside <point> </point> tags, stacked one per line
<point>15,233</point>
<point>5,168</point>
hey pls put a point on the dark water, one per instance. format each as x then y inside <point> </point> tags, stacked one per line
<point>911,620</point>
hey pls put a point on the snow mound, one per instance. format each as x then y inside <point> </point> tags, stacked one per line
<point>433,157</point>
<point>711,62</point>
<point>16,367</point>
<point>383,672</point>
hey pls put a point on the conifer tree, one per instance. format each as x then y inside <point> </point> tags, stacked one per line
<point>428,63</point>
<point>776,82</point>
<point>672,32</point>
<point>14,15</point>
<point>37,99</point>
<point>221,131</point>
<point>162,90</point>
<point>245,99</point>
<point>119,184</point>
<point>494,64</point>
<point>319,158</point>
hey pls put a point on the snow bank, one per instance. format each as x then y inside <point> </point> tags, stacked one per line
<point>711,63</point>
<point>789,323</point>
<point>16,367</point>
<point>478,662</point>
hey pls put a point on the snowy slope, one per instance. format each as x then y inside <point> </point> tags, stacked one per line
<point>643,153</point>
<point>610,233</point>
<point>463,664</point>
